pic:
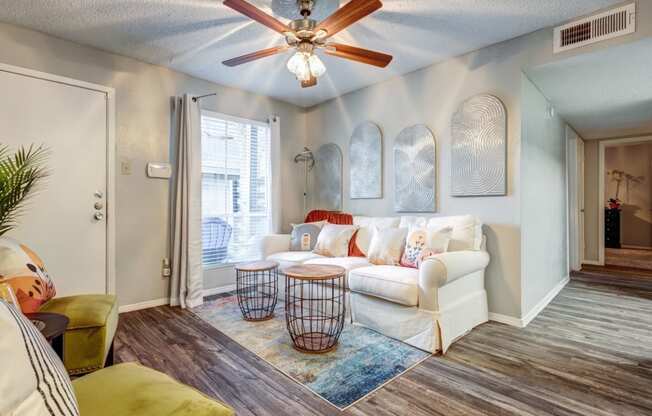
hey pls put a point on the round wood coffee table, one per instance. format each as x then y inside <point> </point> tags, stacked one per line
<point>53,326</point>
<point>314,306</point>
<point>257,289</point>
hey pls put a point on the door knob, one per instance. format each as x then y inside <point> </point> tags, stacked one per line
<point>98,216</point>
<point>98,205</point>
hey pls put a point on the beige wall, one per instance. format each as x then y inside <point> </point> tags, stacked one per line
<point>143,94</point>
<point>430,96</point>
<point>544,212</point>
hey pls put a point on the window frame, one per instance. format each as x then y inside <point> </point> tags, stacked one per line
<point>254,122</point>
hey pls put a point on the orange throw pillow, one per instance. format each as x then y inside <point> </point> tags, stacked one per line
<point>25,272</point>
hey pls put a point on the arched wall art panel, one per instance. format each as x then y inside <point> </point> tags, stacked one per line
<point>366,162</point>
<point>479,148</point>
<point>328,176</point>
<point>415,170</point>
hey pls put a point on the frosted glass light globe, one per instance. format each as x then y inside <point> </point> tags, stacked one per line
<point>296,62</point>
<point>317,67</point>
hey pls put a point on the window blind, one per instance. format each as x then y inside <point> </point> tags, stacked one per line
<point>236,188</point>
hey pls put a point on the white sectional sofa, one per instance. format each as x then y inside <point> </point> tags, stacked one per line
<point>429,307</point>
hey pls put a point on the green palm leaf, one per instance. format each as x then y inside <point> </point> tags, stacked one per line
<point>20,173</point>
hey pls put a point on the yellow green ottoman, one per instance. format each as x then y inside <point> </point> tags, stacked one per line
<point>131,389</point>
<point>88,341</point>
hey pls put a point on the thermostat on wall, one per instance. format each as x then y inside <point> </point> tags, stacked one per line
<point>160,170</point>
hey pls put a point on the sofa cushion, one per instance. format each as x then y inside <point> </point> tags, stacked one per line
<point>348,263</point>
<point>298,257</point>
<point>393,283</point>
<point>367,226</point>
<point>130,389</point>
<point>287,259</point>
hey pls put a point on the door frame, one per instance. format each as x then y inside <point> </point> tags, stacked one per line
<point>109,92</point>
<point>603,144</point>
<point>575,192</point>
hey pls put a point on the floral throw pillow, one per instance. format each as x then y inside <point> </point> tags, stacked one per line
<point>422,243</point>
<point>25,272</point>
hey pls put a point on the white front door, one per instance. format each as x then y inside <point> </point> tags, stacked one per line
<point>62,223</point>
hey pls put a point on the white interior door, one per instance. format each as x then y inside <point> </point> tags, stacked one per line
<point>65,223</point>
<point>575,199</point>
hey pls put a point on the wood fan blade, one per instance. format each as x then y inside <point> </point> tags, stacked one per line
<point>253,12</point>
<point>358,54</point>
<point>345,16</point>
<point>255,55</point>
<point>310,83</point>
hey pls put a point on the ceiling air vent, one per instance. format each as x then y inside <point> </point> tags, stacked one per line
<point>603,26</point>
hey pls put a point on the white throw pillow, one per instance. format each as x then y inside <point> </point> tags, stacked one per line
<point>387,246</point>
<point>333,240</point>
<point>33,380</point>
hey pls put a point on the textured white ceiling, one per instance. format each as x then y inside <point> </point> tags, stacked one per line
<point>602,94</point>
<point>194,36</point>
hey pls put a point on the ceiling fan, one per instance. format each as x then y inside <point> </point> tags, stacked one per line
<point>306,35</point>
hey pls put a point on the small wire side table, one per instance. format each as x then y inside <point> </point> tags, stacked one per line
<point>257,289</point>
<point>314,306</point>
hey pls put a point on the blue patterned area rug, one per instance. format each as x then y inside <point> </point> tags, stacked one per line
<point>363,362</point>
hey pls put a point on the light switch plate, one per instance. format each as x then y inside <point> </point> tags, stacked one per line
<point>125,167</point>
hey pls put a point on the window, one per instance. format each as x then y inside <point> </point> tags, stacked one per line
<point>236,188</point>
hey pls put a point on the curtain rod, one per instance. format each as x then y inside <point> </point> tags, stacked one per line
<point>195,99</point>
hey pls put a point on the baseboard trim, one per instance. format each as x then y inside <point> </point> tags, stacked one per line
<point>545,301</point>
<point>636,247</point>
<point>506,319</point>
<point>143,305</point>
<point>592,262</point>
<point>218,290</point>
<point>523,322</point>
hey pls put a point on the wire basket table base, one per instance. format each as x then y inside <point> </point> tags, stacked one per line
<point>257,289</point>
<point>314,306</point>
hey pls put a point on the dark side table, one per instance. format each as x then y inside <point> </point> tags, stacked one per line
<point>52,326</point>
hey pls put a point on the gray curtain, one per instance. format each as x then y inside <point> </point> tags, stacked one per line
<point>186,283</point>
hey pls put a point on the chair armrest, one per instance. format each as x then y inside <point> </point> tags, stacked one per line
<point>441,269</point>
<point>274,243</point>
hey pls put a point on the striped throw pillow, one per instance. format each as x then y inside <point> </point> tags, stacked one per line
<point>33,380</point>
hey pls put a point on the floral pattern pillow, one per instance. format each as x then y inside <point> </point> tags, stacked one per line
<point>25,272</point>
<point>422,243</point>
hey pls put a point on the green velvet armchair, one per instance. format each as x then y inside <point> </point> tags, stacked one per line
<point>88,341</point>
<point>133,390</point>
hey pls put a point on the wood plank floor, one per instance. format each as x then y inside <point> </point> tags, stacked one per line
<point>588,353</point>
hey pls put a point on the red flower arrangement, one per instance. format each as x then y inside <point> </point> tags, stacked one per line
<point>614,203</point>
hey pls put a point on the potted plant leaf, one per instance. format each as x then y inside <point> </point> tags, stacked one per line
<point>20,172</point>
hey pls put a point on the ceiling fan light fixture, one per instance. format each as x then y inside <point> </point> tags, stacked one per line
<point>305,66</point>
<point>317,67</point>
